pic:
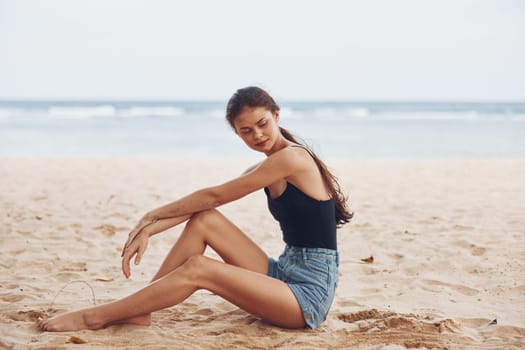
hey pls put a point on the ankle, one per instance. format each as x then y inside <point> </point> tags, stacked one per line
<point>92,319</point>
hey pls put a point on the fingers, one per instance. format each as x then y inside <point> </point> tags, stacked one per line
<point>131,236</point>
<point>132,247</point>
<point>124,268</point>
<point>140,253</point>
<point>136,249</point>
<point>128,254</point>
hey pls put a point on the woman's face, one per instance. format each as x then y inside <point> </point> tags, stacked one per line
<point>258,128</point>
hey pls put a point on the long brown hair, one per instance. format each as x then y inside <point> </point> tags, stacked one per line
<point>252,97</point>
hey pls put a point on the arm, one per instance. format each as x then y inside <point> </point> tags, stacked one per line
<point>152,228</point>
<point>277,166</point>
<point>251,168</point>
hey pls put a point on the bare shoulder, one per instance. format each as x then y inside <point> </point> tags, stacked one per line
<point>288,163</point>
<point>301,151</point>
<point>281,158</point>
<point>302,157</point>
<point>280,165</point>
<point>293,158</point>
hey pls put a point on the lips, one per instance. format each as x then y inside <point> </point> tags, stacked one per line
<point>261,144</point>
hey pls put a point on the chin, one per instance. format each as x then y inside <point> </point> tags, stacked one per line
<point>264,148</point>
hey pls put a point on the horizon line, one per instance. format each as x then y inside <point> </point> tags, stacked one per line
<point>206,100</point>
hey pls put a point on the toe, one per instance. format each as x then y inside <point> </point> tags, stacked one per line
<point>42,324</point>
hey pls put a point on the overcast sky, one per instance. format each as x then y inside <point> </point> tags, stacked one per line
<point>301,50</point>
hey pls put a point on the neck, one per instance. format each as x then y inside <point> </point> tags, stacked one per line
<point>279,145</point>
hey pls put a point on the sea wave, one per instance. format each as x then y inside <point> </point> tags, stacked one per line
<point>325,111</point>
<point>80,112</point>
<point>468,115</point>
<point>151,112</point>
<point>83,112</point>
<point>7,113</point>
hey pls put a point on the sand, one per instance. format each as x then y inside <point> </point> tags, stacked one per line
<point>447,240</point>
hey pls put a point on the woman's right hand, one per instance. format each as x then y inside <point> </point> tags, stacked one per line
<point>145,221</point>
<point>137,241</point>
<point>136,248</point>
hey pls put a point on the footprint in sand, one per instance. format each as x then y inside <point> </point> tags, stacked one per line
<point>29,315</point>
<point>11,297</point>
<point>347,303</point>
<point>109,230</point>
<point>204,312</point>
<point>431,220</point>
<point>477,251</point>
<point>67,276</point>
<point>397,256</point>
<point>374,327</point>
<point>117,215</point>
<point>381,320</point>
<point>76,266</point>
<point>474,249</point>
<point>462,228</point>
<point>456,287</point>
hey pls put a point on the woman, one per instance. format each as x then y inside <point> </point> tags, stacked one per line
<point>293,292</point>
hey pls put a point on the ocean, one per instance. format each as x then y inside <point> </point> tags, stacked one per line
<point>335,130</point>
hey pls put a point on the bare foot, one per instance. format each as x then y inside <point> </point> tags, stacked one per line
<point>71,321</point>
<point>84,319</point>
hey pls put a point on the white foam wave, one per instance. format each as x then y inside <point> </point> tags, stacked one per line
<point>289,113</point>
<point>518,118</point>
<point>336,113</point>
<point>80,112</point>
<point>358,112</point>
<point>216,113</point>
<point>325,112</point>
<point>7,113</point>
<point>150,112</point>
<point>470,115</point>
<point>340,113</point>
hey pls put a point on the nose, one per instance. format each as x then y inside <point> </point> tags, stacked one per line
<point>258,133</point>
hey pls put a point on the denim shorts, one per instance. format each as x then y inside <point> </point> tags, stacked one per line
<point>311,274</point>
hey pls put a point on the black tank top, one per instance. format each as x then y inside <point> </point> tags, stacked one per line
<point>305,221</point>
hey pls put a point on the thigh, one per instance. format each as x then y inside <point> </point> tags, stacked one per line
<point>263,296</point>
<point>232,245</point>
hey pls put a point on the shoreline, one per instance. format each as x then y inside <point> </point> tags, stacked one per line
<point>447,237</point>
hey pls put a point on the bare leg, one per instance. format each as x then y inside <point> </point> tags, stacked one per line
<point>254,292</point>
<point>209,228</point>
<point>206,228</point>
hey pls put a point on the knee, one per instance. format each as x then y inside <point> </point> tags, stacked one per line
<point>203,219</point>
<point>194,269</point>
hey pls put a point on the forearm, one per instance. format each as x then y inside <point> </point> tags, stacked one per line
<point>164,224</point>
<point>186,206</point>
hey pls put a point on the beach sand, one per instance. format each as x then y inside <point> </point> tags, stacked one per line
<point>447,239</point>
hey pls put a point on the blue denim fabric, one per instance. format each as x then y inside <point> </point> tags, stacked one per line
<point>311,274</point>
